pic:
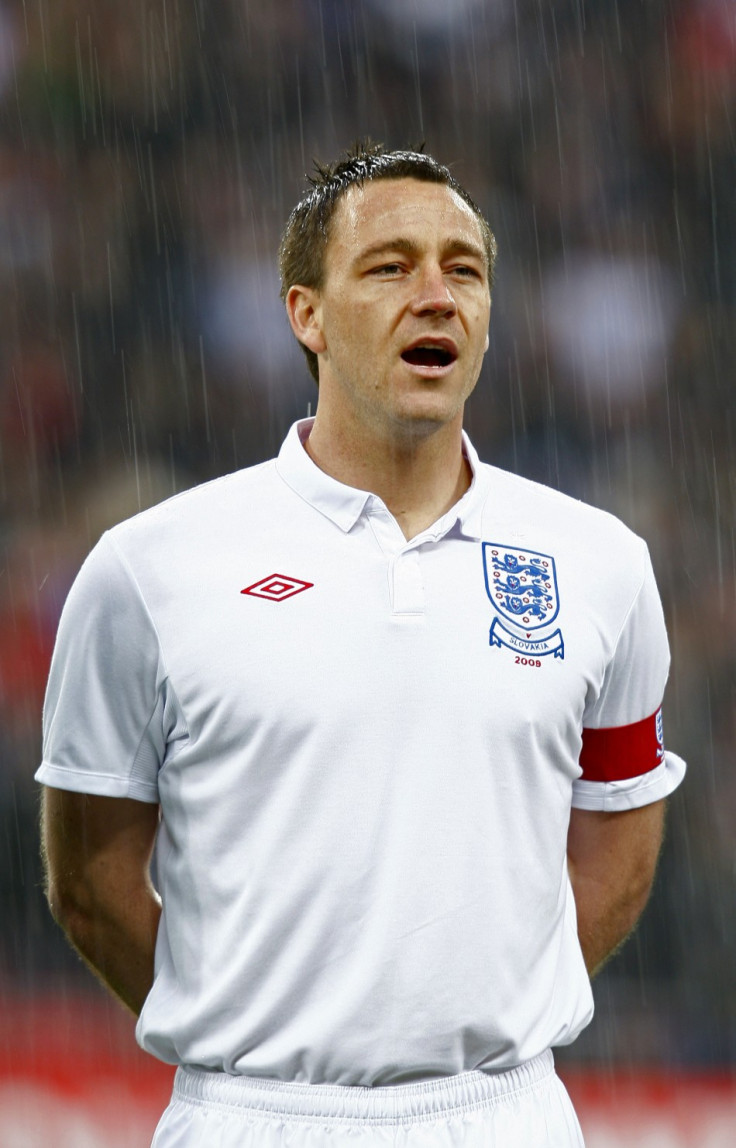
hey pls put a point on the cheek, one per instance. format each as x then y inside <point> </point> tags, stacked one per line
<point>479,327</point>
<point>336,330</point>
<point>345,319</point>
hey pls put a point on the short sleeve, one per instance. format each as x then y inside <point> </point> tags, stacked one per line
<point>624,760</point>
<point>110,714</point>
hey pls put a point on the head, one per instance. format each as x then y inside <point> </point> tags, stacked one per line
<point>309,227</point>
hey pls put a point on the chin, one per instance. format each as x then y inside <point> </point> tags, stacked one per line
<point>423,419</point>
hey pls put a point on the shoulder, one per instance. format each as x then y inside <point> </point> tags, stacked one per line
<point>209,507</point>
<point>589,545</point>
<point>557,509</point>
<point>184,533</point>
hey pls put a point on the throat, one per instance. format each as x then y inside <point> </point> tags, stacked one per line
<point>418,481</point>
<point>415,516</point>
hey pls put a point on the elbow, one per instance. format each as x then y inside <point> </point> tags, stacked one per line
<point>626,916</point>
<point>631,897</point>
<point>629,902</point>
<point>70,906</point>
<point>638,895</point>
<point>640,882</point>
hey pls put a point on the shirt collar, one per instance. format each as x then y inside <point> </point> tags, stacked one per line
<point>345,504</point>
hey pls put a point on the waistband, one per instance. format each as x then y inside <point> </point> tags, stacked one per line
<point>394,1104</point>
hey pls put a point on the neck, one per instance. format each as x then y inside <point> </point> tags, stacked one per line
<point>418,477</point>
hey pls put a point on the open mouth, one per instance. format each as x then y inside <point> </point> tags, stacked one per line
<point>429,356</point>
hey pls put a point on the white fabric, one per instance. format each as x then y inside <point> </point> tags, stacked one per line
<point>630,793</point>
<point>364,801</point>
<point>527,1107</point>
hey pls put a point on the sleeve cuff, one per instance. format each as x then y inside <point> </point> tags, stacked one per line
<point>97,784</point>
<point>632,792</point>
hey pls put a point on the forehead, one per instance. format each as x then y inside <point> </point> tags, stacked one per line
<point>429,214</point>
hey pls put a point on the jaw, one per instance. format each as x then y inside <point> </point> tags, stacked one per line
<point>423,400</point>
<point>402,402</point>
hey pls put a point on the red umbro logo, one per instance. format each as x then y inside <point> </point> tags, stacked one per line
<point>277,587</point>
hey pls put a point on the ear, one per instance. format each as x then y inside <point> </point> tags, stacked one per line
<point>305,317</point>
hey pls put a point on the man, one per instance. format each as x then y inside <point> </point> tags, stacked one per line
<point>395,706</point>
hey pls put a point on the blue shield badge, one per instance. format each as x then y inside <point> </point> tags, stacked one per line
<point>522,587</point>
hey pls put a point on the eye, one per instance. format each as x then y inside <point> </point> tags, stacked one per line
<point>388,269</point>
<point>465,271</point>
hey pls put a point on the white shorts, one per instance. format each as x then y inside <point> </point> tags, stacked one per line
<point>526,1107</point>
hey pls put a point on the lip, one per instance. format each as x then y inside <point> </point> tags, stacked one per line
<point>429,371</point>
<point>440,341</point>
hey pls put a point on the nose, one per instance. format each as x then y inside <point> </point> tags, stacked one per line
<point>433,295</point>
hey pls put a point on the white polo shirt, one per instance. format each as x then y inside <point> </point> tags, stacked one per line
<point>365,751</point>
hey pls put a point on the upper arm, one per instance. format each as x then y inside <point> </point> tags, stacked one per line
<point>611,860</point>
<point>623,760</point>
<point>109,714</point>
<point>95,848</point>
<point>613,848</point>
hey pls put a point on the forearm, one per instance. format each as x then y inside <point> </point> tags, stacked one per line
<point>612,860</point>
<point>116,939</point>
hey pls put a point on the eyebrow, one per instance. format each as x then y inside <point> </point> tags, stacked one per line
<point>409,247</point>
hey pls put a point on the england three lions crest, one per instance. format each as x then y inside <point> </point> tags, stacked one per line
<point>522,586</point>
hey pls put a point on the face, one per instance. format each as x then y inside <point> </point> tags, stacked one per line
<point>400,324</point>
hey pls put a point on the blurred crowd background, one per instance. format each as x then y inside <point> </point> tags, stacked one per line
<point>149,155</point>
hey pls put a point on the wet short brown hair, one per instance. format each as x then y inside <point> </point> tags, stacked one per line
<point>307,232</point>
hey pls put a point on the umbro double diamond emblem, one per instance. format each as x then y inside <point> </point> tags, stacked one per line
<point>277,587</point>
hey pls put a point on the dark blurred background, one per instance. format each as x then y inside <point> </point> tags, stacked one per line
<point>149,155</point>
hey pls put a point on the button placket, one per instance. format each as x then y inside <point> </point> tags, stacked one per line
<point>408,586</point>
<point>405,584</point>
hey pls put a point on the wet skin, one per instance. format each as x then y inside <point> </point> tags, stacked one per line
<point>400,323</point>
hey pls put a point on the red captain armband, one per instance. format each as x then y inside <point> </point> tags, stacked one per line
<point>624,751</point>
